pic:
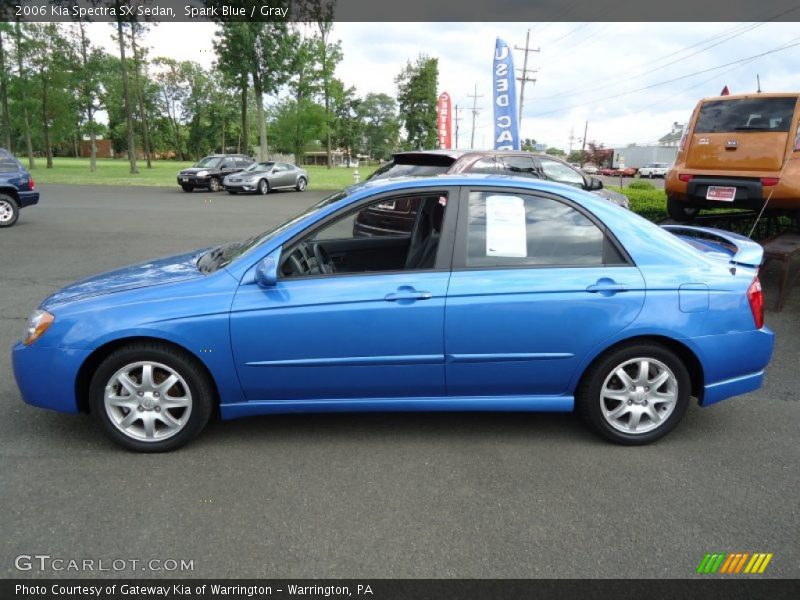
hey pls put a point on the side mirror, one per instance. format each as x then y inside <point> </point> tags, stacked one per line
<point>267,269</point>
<point>595,184</point>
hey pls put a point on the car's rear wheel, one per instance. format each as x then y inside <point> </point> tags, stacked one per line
<point>680,211</point>
<point>9,211</point>
<point>634,394</point>
<point>187,188</point>
<point>263,187</point>
<point>301,184</point>
<point>150,397</point>
<point>214,185</point>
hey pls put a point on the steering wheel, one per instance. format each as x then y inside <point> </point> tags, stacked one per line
<point>324,262</point>
<point>299,260</point>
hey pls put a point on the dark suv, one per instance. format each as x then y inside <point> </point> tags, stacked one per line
<point>390,220</point>
<point>16,188</point>
<point>209,171</point>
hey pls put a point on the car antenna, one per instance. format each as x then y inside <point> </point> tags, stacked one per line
<point>758,81</point>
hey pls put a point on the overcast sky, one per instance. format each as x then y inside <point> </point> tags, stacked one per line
<point>586,71</point>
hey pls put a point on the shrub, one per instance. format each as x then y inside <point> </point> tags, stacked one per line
<point>641,185</point>
<point>648,203</point>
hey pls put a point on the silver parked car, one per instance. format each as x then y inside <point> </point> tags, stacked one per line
<point>263,177</point>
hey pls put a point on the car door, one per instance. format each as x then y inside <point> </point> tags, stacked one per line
<point>357,335</point>
<point>228,166</point>
<point>537,283</point>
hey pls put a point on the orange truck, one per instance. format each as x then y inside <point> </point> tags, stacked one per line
<point>738,152</point>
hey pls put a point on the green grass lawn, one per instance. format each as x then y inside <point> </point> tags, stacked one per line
<point>116,172</point>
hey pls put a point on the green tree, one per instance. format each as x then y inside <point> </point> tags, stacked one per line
<point>173,80</point>
<point>529,145</point>
<point>381,125</point>
<point>5,29</point>
<point>347,129</point>
<point>417,84</point>
<point>294,126</point>
<point>577,156</point>
<point>23,84</point>
<point>139,58</point>
<point>88,89</point>
<point>553,151</point>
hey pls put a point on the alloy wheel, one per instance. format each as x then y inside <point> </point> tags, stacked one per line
<point>6,211</point>
<point>639,395</point>
<point>148,401</point>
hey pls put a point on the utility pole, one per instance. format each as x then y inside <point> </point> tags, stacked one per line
<point>457,119</point>
<point>583,147</point>
<point>526,74</point>
<point>475,111</point>
<point>571,139</point>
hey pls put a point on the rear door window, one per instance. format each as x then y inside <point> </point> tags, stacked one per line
<point>747,114</point>
<point>521,166</point>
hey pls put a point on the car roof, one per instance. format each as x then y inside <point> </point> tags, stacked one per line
<point>752,95</point>
<point>456,154</point>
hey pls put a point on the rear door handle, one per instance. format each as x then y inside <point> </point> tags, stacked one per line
<point>412,295</point>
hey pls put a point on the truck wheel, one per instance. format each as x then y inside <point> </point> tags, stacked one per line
<point>680,211</point>
<point>9,211</point>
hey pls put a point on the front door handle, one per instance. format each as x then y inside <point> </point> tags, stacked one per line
<point>407,294</point>
<point>607,287</point>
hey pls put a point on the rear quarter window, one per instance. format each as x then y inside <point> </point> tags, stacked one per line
<point>747,114</point>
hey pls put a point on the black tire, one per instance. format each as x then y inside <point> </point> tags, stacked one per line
<point>187,188</point>
<point>263,187</point>
<point>650,175</point>
<point>203,398</point>
<point>588,402</point>
<point>9,210</point>
<point>233,192</point>
<point>301,184</point>
<point>681,211</point>
<point>214,185</point>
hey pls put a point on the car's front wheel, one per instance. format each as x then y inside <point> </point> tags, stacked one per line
<point>263,187</point>
<point>187,188</point>
<point>9,211</point>
<point>150,397</point>
<point>680,211</point>
<point>301,184</point>
<point>634,394</point>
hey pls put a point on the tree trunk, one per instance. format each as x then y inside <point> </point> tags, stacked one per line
<point>89,103</point>
<point>173,122</point>
<point>127,99</point>
<point>258,87</point>
<point>223,135</point>
<point>244,138</point>
<point>327,98</point>
<point>137,82</point>
<point>47,144</point>
<point>28,141</point>
<point>4,95</point>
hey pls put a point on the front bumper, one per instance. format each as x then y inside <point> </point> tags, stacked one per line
<point>46,377</point>
<point>27,198</point>
<point>240,186</point>
<point>193,181</point>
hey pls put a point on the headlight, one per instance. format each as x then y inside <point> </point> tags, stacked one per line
<point>38,323</point>
<point>202,173</point>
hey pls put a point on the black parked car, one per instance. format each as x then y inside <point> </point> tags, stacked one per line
<point>209,171</point>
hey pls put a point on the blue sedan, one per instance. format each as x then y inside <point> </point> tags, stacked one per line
<point>507,294</point>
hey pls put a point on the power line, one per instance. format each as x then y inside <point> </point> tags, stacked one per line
<point>660,83</point>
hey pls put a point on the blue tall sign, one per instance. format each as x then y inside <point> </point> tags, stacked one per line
<point>506,124</point>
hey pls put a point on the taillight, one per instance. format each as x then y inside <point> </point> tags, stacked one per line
<point>685,177</point>
<point>767,181</point>
<point>31,184</point>
<point>756,300</point>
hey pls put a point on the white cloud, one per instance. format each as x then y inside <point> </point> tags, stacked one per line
<point>579,64</point>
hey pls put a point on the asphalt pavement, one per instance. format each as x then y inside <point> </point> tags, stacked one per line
<point>386,495</point>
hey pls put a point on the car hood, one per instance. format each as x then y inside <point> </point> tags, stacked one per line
<point>146,274</point>
<point>192,170</point>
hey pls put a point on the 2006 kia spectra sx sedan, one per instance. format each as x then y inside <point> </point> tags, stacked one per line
<point>508,294</point>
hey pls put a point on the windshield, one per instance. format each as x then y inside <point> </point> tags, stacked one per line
<point>259,167</point>
<point>209,162</point>
<point>224,255</point>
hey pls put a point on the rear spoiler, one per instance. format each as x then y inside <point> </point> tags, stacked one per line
<point>740,250</point>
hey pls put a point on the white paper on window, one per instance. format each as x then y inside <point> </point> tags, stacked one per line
<point>505,227</point>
